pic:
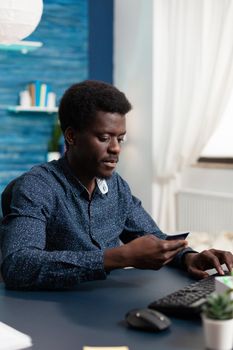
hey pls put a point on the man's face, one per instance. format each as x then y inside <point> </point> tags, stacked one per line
<point>95,150</point>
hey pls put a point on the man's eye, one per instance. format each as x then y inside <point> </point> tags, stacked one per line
<point>122,139</point>
<point>104,138</point>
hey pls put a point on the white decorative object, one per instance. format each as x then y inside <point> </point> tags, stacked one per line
<point>53,156</point>
<point>218,333</point>
<point>18,19</point>
<point>25,98</point>
<point>51,100</point>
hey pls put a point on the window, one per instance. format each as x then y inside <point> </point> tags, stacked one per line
<point>219,149</point>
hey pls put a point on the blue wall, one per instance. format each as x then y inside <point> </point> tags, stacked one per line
<point>77,45</point>
<point>101,40</point>
<point>61,61</point>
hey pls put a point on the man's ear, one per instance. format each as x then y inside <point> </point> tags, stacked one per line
<point>69,136</point>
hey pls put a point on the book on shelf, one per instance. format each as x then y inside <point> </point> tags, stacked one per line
<point>37,92</point>
<point>44,90</point>
<point>41,95</point>
<point>31,89</point>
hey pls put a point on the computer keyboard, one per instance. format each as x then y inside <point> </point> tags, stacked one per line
<point>186,302</point>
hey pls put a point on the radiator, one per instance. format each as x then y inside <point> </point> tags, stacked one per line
<point>204,211</point>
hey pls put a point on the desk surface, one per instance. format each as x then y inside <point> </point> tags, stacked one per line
<point>93,314</point>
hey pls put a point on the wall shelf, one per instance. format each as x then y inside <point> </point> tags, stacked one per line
<point>18,109</point>
<point>22,46</point>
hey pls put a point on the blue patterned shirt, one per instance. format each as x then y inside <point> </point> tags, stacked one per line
<point>55,237</point>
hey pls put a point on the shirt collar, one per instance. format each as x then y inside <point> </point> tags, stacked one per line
<point>102,185</point>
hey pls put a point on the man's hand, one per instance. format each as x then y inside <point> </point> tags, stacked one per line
<point>198,263</point>
<point>147,252</point>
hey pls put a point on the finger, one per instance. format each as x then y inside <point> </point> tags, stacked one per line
<point>198,273</point>
<point>175,244</point>
<point>225,258</point>
<point>170,255</point>
<point>229,266</point>
<point>216,263</point>
<point>209,259</point>
<point>229,262</point>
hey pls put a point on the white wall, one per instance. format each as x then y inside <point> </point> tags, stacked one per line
<point>133,75</point>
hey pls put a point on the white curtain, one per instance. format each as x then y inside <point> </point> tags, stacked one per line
<point>193,77</point>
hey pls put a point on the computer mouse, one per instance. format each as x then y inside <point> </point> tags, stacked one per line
<point>147,319</point>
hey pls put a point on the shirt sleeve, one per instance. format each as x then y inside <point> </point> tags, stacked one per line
<point>26,264</point>
<point>140,223</point>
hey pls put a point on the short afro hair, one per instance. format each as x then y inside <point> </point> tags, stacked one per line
<point>82,101</point>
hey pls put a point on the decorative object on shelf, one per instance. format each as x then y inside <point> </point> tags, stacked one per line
<point>25,98</point>
<point>41,95</point>
<point>37,97</point>
<point>22,46</point>
<point>51,100</point>
<point>18,19</point>
<point>217,318</point>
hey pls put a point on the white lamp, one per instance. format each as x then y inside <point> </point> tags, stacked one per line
<point>18,19</point>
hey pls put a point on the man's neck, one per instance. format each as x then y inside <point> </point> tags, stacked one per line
<point>89,182</point>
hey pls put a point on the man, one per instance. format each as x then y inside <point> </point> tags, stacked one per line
<point>67,217</point>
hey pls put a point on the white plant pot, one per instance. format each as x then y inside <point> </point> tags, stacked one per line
<point>218,334</point>
<point>53,156</point>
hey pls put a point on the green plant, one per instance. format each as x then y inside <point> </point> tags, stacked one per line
<point>219,306</point>
<point>53,145</point>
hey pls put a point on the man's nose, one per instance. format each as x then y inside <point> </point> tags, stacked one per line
<point>114,146</point>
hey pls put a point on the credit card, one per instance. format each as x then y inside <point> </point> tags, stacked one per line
<point>182,235</point>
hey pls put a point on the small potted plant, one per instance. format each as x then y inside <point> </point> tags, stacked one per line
<point>217,317</point>
<point>56,143</point>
